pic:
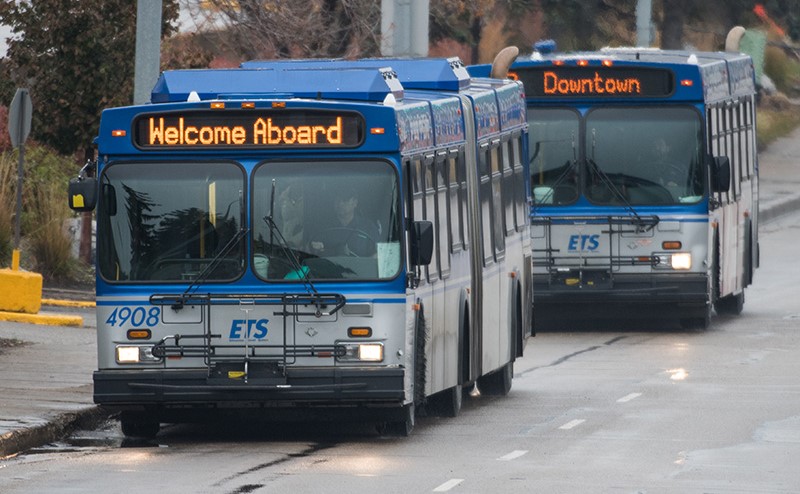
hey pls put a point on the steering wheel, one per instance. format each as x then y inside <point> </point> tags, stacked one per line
<point>671,172</point>
<point>346,234</point>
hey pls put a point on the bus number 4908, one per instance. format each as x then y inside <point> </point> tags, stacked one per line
<point>136,317</point>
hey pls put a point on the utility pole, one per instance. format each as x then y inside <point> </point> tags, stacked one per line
<point>644,23</point>
<point>148,49</point>
<point>404,28</point>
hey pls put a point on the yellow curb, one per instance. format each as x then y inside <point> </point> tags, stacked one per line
<point>68,303</point>
<point>49,319</point>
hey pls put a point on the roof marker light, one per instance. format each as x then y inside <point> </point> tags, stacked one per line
<point>248,105</point>
<point>217,105</point>
<point>118,133</point>
<point>608,63</point>
<point>687,82</point>
<point>583,63</point>
<point>279,104</point>
<point>558,62</point>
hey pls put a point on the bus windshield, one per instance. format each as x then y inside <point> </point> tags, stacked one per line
<point>644,156</point>
<point>168,221</point>
<point>554,142</point>
<point>637,156</point>
<point>326,220</point>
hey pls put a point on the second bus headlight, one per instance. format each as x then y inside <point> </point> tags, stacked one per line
<point>674,260</point>
<point>682,260</point>
<point>363,352</point>
<point>136,354</point>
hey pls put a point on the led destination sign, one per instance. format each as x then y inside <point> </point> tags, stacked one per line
<point>248,129</point>
<point>595,82</point>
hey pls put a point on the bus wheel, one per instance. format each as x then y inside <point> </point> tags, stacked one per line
<point>498,382</point>
<point>446,403</point>
<point>139,425</point>
<point>399,428</point>
<point>731,304</point>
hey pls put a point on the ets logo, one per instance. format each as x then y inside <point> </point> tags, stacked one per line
<point>580,243</point>
<point>250,329</point>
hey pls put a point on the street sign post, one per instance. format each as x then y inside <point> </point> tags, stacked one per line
<point>19,127</point>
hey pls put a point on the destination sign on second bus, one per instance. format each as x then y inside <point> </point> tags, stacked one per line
<point>221,129</point>
<point>595,82</point>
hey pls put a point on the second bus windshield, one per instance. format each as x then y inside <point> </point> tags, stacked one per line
<point>638,156</point>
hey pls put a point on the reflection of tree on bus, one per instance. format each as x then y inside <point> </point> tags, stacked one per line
<point>291,215</point>
<point>348,233</point>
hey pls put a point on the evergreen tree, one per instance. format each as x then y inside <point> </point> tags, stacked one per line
<point>77,58</point>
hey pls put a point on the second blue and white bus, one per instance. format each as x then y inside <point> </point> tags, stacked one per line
<point>644,175</point>
<point>228,278</point>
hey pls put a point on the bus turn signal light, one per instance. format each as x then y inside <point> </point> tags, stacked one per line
<point>139,334</point>
<point>359,332</point>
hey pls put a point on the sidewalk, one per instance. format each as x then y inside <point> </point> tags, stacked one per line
<point>46,390</point>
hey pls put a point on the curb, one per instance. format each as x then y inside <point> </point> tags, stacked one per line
<point>46,319</point>
<point>68,303</point>
<point>15,442</point>
<point>779,208</point>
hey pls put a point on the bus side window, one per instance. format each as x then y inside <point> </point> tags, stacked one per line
<point>520,201</point>
<point>507,189</point>
<point>442,223</point>
<point>456,221</point>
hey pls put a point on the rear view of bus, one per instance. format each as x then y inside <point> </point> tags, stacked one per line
<point>644,182</point>
<point>298,239</point>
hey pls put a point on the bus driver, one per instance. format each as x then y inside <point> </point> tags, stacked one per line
<point>348,233</point>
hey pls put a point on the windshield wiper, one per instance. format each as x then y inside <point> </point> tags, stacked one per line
<point>288,252</point>
<point>570,166</point>
<point>606,180</point>
<point>203,275</point>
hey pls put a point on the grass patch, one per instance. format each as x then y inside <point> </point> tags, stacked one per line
<point>776,117</point>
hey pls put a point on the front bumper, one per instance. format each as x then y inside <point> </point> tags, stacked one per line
<point>682,295</point>
<point>308,386</point>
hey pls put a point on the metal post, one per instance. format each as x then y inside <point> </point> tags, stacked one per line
<point>148,49</point>
<point>644,15</point>
<point>20,171</point>
<point>404,27</point>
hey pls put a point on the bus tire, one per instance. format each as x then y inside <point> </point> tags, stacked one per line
<point>731,305</point>
<point>446,403</point>
<point>139,425</point>
<point>497,383</point>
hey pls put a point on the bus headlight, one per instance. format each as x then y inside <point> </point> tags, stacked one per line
<point>362,352</point>
<point>676,260</point>
<point>682,260</point>
<point>136,354</point>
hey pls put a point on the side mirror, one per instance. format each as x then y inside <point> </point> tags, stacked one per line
<point>720,174</point>
<point>422,243</point>
<point>82,194</point>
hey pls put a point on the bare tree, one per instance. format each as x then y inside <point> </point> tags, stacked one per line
<point>281,28</point>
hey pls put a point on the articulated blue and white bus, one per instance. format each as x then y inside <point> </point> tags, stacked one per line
<point>310,235</point>
<point>644,178</point>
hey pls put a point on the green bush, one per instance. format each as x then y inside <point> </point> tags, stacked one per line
<point>8,178</point>
<point>45,245</point>
<point>49,242</point>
